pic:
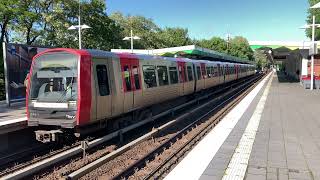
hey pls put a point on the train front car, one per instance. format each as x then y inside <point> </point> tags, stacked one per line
<point>55,93</point>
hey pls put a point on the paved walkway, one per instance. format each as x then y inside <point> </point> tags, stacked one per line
<point>287,143</point>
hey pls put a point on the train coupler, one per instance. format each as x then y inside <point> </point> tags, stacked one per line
<point>47,136</point>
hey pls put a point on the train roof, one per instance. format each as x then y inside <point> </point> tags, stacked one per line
<point>101,54</point>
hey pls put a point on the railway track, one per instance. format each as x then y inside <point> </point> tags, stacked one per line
<point>29,169</point>
<point>167,163</point>
<point>20,160</point>
<point>141,163</point>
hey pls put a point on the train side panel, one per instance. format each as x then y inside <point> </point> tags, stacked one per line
<point>190,79</point>
<point>156,83</point>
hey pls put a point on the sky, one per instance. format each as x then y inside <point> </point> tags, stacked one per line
<point>272,20</point>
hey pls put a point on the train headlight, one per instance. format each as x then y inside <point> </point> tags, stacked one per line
<point>72,104</point>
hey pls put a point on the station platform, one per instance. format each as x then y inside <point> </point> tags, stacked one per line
<point>273,133</point>
<point>12,118</point>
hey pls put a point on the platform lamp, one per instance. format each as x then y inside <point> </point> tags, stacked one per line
<point>79,27</point>
<point>313,26</point>
<point>131,37</point>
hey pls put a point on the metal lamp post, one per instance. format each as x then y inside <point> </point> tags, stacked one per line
<point>271,57</point>
<point>131,38</point>
<point>79,27</point>
<point>314,25</point>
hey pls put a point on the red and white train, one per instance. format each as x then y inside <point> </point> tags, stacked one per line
<point>69,90</point>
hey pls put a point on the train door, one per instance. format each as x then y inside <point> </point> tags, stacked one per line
<point>237,71</point>
<point>195,78</point>
<point>204,76</point>
<point>131,81</point>
<point>182,75</point>
<point>219,74</point>
<point>103,93</point>
<point>225,73</point>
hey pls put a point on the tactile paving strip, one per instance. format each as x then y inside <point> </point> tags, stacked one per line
<point>239,161</point>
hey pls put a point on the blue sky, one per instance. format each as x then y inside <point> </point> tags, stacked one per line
<point>253,19</point>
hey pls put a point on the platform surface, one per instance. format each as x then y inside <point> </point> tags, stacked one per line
<point>287,144</point>
<point>12,118</point>
<point>14,112</point>
<point>287,140</point>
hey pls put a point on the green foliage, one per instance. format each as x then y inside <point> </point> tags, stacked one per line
<point>215,43</point>
<point>152,36</point>
<point>46,22</point>
<point>312,12</point>
<point>145,28</point>
<point>260,59</point>
<point>239,47</point>
<point>173,37</point>
<point>30,22</point>
<point>103,34</point>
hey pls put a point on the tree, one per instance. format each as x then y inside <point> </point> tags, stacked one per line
<point>30,22</point>
<point>215,43</point>
<point>239,47</point>
<point>143,27</point>
<point>104,33</point>
<point>260,59</point>
<point>173,37</point>
<point>8,13</point>
<point>312,12</point>
<point>46,22</point>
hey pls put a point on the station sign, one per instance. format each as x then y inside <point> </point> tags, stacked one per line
<point>313,50</point>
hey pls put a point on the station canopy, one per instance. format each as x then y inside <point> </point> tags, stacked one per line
<point>191,51</point>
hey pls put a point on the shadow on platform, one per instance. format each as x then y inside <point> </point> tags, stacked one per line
<point>283,78</point>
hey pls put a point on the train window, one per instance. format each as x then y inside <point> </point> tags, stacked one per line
<point>103,82</point>
<point>149,75</point>
<point>173,75</point>
<point>189,73</point>
<point>198,72</point>
<point>212,71</point>
<point>186,74</point>
<point>126,77</point>
<point>181,75</point>
<point>136,77</point>
<point>163,75</point>
<point>208,71</point>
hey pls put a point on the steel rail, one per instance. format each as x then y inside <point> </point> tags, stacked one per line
<point>95,164</point>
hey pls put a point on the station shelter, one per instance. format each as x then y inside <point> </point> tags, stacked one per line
<point>191,51</point>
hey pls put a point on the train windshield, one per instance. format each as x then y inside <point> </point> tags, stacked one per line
<point>54,78</point>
